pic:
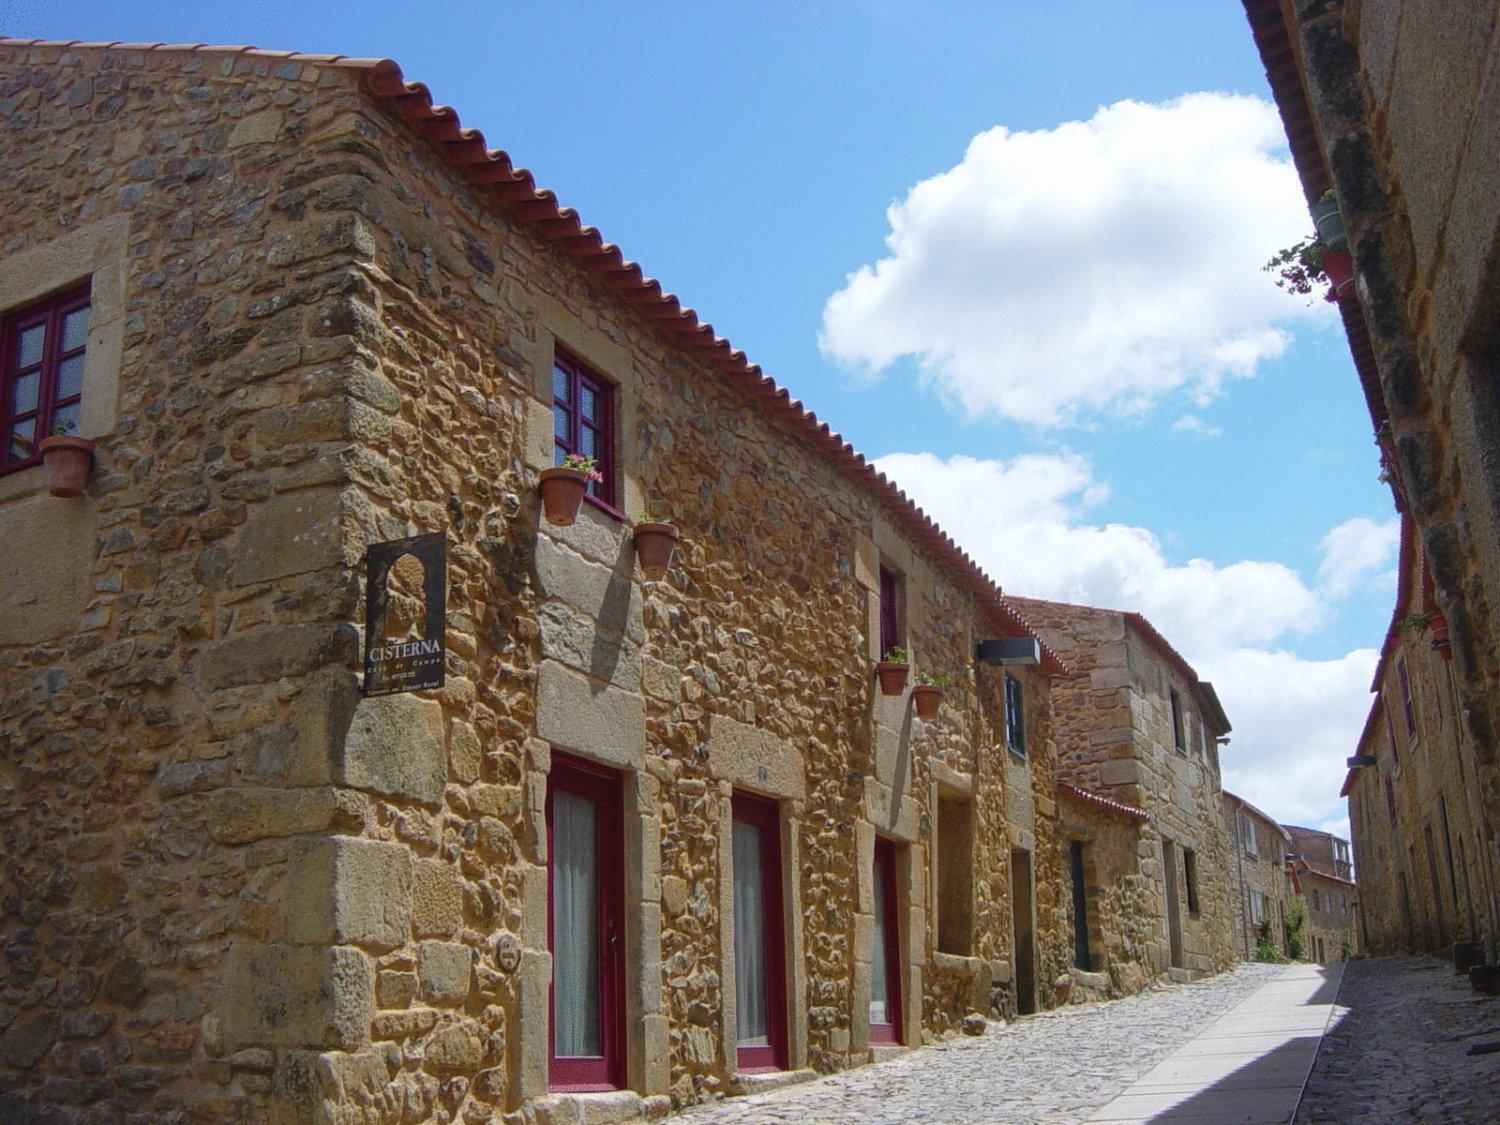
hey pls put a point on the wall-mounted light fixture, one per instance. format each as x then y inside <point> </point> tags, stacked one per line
<point>1360,761</point>
<point>1009,651</point>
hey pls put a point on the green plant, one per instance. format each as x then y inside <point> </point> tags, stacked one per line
<point>1265,948</point>
<point>895,655</point>
<point>62,428</point>
<point>1298,267</point>
<point>927,679</point>
<point>588,466</point>
<point>1416,622</point>
<point>1296,922</point>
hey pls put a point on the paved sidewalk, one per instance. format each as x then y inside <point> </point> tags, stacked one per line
<point>1059,1066</point>
<point>1250,1065</point>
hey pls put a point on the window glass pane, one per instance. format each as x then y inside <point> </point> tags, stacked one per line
<point>20,440</point>
<point>575,926</point>
<point>70,377</point>
<point>752,1018</point>
<point>879,986</point>
<point>588,401</point>
<point>23,399</point>
<point>588,441</point>
<point>561,385</point>
<point>560,422</point>
<point>29,345</point>
<point>75,331</point>
<point>65,420</point>
<point>559,454</point>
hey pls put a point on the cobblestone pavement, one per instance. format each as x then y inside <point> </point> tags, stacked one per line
<point>1052,1067</point>
<point>1397,1050</point>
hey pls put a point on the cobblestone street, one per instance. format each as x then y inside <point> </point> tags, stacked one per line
<point>1055,1067</point>
<point>1398,1048</point>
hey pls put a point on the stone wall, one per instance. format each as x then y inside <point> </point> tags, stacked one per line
<point>155,689</point>
<point>239,888</point>
<point>1262,870</point>
<point>1403,96</point>
<point>1331,932</point>
<point>1116,739</point>
<point>1120,902</point>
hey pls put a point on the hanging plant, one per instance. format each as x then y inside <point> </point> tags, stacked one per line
<point>564,485</point>
<point>892,671</point>
<point>66,461</point>
<point>655,542</point>
<point>927,696</point>
<point>1302,266</point>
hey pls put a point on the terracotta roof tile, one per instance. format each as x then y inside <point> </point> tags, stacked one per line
<point>513,191</point>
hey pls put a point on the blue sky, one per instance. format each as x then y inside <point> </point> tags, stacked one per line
<point>747,155</point>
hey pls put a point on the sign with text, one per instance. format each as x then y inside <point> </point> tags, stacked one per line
<point>412,660</point>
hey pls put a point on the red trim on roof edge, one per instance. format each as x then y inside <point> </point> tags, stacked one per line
<point>1067,790</point>
<point>513,191</point>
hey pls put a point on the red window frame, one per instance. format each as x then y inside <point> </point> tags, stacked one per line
<point>885,871</point>
<point>1411,714</point>
<point>1390,730</point>
<point>1390,799</point>
<point>890,611</point>
<point>571,378</point>
<point>602,786</point>
<point>765,815</point>
<point>49,314</point>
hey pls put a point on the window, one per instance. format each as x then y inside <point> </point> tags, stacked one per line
<point>892,619</point>
<point>583,421</point>
<point>1247,834</point>
<point>1390,799</point>
<point>955,875</point>
<point>1316,904</point>
<point>585,926</point>
<point>1081,956</point>
<point>1015,716</point>
<point>1411,714</point>
<point>1190,875</point>
<point>759,943</point>
<point>1390,731</point>
<point>885,957</point>
<point>1179,736</point>
<point>41,381</point>
<point>1257,908</point>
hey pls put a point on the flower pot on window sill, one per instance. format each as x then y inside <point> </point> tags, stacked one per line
<point>927,699</point>
<point>1339,267</point>
<point>66,462</point>
<point>654,545</point>
<point>892,677</point>
<point>562,494</point>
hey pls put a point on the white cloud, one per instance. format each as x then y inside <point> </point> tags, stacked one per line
<point>1096,266</point>
<point>1357,553</point>
<point>1295,723</point>
<point>1295,720</point>
<point>1192,424</point>
<point>1022,520</point>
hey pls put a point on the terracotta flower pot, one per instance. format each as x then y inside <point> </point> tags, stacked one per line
<point>1439,626</point>
<point>654,544</point>
<point>892,677</point>
<point>927,698</point>
<point>562,494</point>
<point>1340,270</point>
<point>66,462</point>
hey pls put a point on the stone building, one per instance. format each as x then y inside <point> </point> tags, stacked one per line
<point>1426,875</point>
<point>1320,863</point>
<point>652,841</point>
<point>1135,725</point>
<point>1258,872</point>
<point>1394,106</point>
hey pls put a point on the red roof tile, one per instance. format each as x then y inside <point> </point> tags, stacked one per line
<point>513,192</point>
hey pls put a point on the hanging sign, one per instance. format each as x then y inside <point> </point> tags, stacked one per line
<point>409,663</point>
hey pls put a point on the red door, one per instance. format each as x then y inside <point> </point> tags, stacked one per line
<point>885,958</point>
<point>585,926</point>
<point>759,937</point>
